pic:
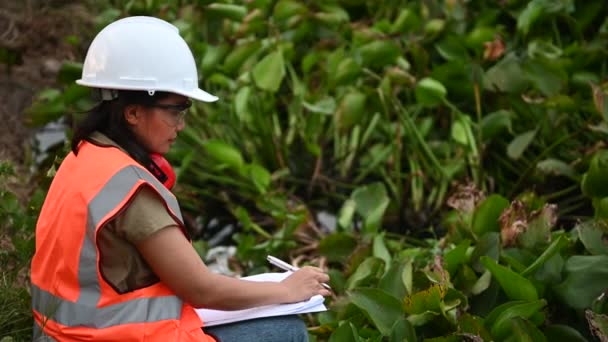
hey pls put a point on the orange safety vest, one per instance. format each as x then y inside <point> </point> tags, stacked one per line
<point>70,299</point>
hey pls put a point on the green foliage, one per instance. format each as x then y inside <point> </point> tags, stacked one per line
<point>376,111</point>
<point>17,224</point>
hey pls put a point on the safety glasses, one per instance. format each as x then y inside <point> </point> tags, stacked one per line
<point>176,112</point>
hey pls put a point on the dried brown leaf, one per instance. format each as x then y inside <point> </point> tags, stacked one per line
<point>465,198</point>
<point>494,49</point>
<point>513,222</point>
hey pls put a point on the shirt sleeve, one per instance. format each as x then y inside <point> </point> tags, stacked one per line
<point>144,215</point>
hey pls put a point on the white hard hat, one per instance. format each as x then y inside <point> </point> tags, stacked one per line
<point>142,53</point>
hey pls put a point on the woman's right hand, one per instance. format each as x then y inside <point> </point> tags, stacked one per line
<point>305,283</point>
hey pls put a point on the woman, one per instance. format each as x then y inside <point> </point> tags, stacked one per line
<point>113,261</point>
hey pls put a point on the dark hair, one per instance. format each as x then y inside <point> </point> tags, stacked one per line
<point>108,118</point>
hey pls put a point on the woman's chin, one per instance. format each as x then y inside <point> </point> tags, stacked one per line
<point>162,150</point>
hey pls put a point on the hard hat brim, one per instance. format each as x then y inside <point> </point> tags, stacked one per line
<point>197,94</point>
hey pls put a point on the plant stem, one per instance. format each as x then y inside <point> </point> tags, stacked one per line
<point>539,157</point>
<point>420,140</point>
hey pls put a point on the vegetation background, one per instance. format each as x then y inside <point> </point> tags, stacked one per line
<point>444,160</point>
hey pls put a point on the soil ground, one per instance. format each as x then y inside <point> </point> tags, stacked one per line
<point>36,33</point>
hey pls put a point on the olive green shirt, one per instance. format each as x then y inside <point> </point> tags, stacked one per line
<point>121,265</point>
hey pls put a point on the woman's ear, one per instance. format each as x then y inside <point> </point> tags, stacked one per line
<point>132,114</point>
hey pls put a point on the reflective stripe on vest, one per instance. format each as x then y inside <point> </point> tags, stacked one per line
<point>84,312</point>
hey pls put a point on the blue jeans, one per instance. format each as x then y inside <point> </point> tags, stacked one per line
<point>269,329</point>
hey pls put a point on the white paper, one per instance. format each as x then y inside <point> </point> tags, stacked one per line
<point>217,317</point>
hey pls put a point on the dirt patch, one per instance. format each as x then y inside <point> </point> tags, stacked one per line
<point>35,38</point>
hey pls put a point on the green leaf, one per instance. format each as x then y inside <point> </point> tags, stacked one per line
<point>470,324</point>
<point>345,216</point>
<point>371,201</point>
<point>547,254</point>
<point>434,27</point>
<point>523,330</point>
<point>425,300</point>
<point>407,276</point>
<point>260,177</point>
<point>326,105</point>
<point>239,54</point>
<point>539,228</point>
<point>488,244</point>
<point>452,48</point>
<point>285,9</point>
<point>213,57</point>
<point>459,132</point>
<point>380,307</point>
<point>392,280</point>
<point>69,72</point>
<point>529,15</point>
<point>506,76</point>
<point>403,331</point>
<point>245,219</point>
<point>380,251</point>
<point>74,93</point>
<point>497,311</point>
<point>379,53</point>
<point>233,12</point>
<point>337,247</point>
<point>600,206</point>
<point>370,268</point>
<point>594,182</point>
<point>241,105</point>
<point>351,110</point>
<point>480,35</point>
<point>269,72</point>
<point>48,107</point>
<point>502,325</point>
<point>406,21</point>
<point>430,92</point>
<point>482,283</point>
<point>586,276</point>
<point>374,156</point>
<point>456,257</point>
<point>518,145</point>
<point>332,15</point>
<point>346,72</point>
<point>563,333</point>
<point>224,154</point>
<point>584,78</point>
<point>514,285</point>
<point>551,271</point>
<point>486,215</point>
<point>556,167</point>
<point>542,49</point>
<point>346,332</point>
<point>106,17</point>
<point>547,76</point>
<point>594,235</point>
<point>49,94</point>
<point>221,80</point>
<point>517,258</point>
<point>9,203</point>
<point>423,318</point>
<point>495,123</point>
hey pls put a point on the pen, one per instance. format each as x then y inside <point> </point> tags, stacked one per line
<point>287,267</point>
